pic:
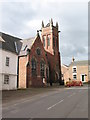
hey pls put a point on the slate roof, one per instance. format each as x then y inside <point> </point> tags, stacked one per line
<point>80,63</point>
<point>10,43</point>
<point>65,65</point>
<point>26,44</point>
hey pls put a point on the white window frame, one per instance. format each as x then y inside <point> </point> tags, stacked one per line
<point>73,69</point>
<point>6,79</point>
<point>76,76</point>
<point>7,61</point>
<point>81,77</point>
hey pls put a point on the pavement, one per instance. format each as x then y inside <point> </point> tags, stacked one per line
<point>53,103</point>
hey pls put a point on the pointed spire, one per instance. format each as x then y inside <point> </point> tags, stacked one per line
<point>56,24</point>
<point>73,59</point>
<point>51,22</point>
<point>42,24</point>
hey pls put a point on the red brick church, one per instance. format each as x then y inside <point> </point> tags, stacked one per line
<point>39,59</point>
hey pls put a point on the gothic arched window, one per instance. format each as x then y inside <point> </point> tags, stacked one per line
<point>53,41</point>
<point>33,63</point>
<point>48,41</point>
<point>44,41</point>
<point>42,68</point>
<point>57,42</point>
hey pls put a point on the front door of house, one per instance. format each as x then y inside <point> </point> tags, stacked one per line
<point>83,78</point>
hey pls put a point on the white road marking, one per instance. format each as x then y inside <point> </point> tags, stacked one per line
<point>71,95</point>
<point>55,104</point>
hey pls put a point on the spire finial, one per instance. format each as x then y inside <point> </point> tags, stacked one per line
<point>37,32</point>
<point>73,59</point>
<point>51,21</point>
<point>56,24</point>
<point>42,24</point>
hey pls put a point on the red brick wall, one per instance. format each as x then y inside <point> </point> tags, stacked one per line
<point>53,59</point>
<point>37,81</point>
<point>25,73</point>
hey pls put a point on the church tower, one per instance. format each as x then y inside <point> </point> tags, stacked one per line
<point>50,37</point>
<point>50,40</point>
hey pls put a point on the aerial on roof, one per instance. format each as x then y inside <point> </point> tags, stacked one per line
<point>81,63</point>
<point>10,43</point>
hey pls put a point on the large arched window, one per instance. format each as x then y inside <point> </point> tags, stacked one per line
<point>53,41</point>
<point>42,68</point>
<point>48,41</point>
<point>44,41</point>
<point>33,63</point>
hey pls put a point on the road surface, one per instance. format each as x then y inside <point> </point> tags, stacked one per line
<point>61,103</point>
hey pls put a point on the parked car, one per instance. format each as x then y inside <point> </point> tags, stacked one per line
<point>73,83</point>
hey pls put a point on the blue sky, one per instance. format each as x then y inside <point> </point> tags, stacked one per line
<point>23,19</point>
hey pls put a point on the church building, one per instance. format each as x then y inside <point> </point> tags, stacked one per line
<point>39,59</point>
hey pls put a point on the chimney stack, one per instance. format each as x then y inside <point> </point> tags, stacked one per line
<point>73,59</point>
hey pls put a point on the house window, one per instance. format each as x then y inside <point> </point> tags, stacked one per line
<point>7,61</point>
<point>74,70</point>
<point>6,79</point>
<point>74,76</point>
<point>42,68</point>
<point>33,63</point>
<point>48,41</point>
<point>44,41</point>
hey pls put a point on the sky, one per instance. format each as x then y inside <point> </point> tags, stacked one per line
<point>22,18</point>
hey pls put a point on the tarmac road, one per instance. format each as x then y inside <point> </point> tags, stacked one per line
<point>61,103</point>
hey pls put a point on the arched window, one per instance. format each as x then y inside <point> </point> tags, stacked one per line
<point>33,63</point>
<point>53,41</point>
<point>42,68</point>
<point>48,41</point>
<point>57,42</point>
<point>44,41</point>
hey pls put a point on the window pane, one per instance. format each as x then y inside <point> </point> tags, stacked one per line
<point>53,41</point>
<point>7,61</point>
<point>74,69</point>
<point>6,79</point>
<point>74,76</point>
<point>42,68</point>
<point>33,63</point>
<point>48,41</point>
<point>44,41</point>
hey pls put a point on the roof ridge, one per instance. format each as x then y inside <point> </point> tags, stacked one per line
<point>2,33</point>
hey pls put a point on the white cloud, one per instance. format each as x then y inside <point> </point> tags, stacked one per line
<point>24,18</point>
